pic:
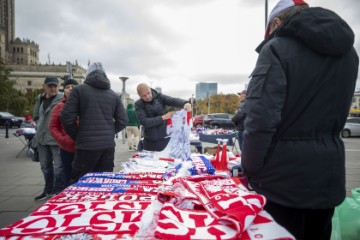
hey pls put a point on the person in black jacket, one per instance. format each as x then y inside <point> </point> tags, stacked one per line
<point>298,100</point>
<point>239,118</point>
<point>151,113</point>
<point>92,116</point>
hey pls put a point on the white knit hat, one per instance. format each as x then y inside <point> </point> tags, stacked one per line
<point>280,6</point>
<point>95,66</point>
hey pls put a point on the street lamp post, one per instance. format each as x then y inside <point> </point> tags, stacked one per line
<point>192,105</point>
<point>266,12</point>
<point>123,79</point>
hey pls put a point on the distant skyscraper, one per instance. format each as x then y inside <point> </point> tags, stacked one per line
<point>205,90</point>
<point>158,89</point>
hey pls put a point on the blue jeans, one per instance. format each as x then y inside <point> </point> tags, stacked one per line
<point>240,138</point>
<point>51,168</point>
<point>66,160</point>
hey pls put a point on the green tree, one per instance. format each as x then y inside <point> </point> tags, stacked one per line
<point>219,103</point>
<point>11,100</point>
<point>7,91</point>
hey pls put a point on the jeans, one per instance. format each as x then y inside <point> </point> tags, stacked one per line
<point>67,159</point>
<point>240,138</point>
<point>51,168</point>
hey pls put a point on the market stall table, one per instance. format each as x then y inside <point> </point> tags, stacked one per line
<point>27,134</point>
<point>211,138</point>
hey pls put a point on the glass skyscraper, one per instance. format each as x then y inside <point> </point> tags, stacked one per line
<point>205,90</point>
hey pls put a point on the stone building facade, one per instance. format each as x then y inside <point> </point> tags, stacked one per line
<point>29,77</point>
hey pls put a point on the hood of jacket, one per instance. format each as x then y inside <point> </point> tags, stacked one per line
<point>98,79</point>
<point>130,106</point>
<point>320,29</point>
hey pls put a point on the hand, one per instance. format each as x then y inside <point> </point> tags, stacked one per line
<point>187,107</point>
<point>167,115</point>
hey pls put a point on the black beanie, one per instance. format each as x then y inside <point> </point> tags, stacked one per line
<point>70,81</point>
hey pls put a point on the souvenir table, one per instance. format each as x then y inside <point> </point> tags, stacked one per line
<point>178,199</point>
<point>211,138</point>
<point>157,195</point>
<point>28,134</point>
<point>195,141</point>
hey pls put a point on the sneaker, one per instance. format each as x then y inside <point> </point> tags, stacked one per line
<point>43,196</point>
<point>130,149</point>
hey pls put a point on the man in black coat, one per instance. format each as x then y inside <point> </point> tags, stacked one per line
<point>297,103</point>
<point>151,112</point>
<point>92,116</point>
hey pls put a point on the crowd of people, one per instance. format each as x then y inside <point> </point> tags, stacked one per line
<point>288,120</point>
<point>75,129</point>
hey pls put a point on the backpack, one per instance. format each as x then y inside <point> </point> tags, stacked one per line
<point>33,151</point>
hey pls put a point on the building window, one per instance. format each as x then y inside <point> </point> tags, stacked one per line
<point>29,83</point>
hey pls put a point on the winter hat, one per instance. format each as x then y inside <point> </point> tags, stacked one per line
<point>70,81</point>
<point>281,6</point>
<point>93,67</point>
<point>51,80</point>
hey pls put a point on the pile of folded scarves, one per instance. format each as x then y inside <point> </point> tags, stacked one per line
<point>189,203</point>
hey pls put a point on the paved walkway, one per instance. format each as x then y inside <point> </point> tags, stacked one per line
<point>21,179</point>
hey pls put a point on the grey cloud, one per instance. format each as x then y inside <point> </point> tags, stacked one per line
<point>223,79</point>
<point>132,50</point>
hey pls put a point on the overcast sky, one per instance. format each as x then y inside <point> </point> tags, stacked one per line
<point>172,44</point>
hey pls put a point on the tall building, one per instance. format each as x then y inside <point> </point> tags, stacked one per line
<point>22,56</point>
<point>158,89</point>
<point>205,90</point>
<point>14,50</point>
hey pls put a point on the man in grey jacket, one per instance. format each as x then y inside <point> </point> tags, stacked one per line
<point>92,116</point>
<point>49,157</point>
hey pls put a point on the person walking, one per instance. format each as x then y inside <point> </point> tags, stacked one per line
<point>48,148</point>
<point>132,128</point>
<point>239,118</point>
<point>151,112</point>
<point>298,100</point>
<point>92,116</point>
<point>66,143</point>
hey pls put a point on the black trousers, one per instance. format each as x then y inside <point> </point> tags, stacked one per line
<point>304,224</point>
<point>86,161</point>
<point>155,145</point>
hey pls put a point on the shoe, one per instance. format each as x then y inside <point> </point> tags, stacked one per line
<point>44,196</point>
<point>130,149</point>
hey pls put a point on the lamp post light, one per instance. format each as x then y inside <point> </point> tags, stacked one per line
<point>266,12</point>
<point>192,105</point>
<point>123,79</point>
